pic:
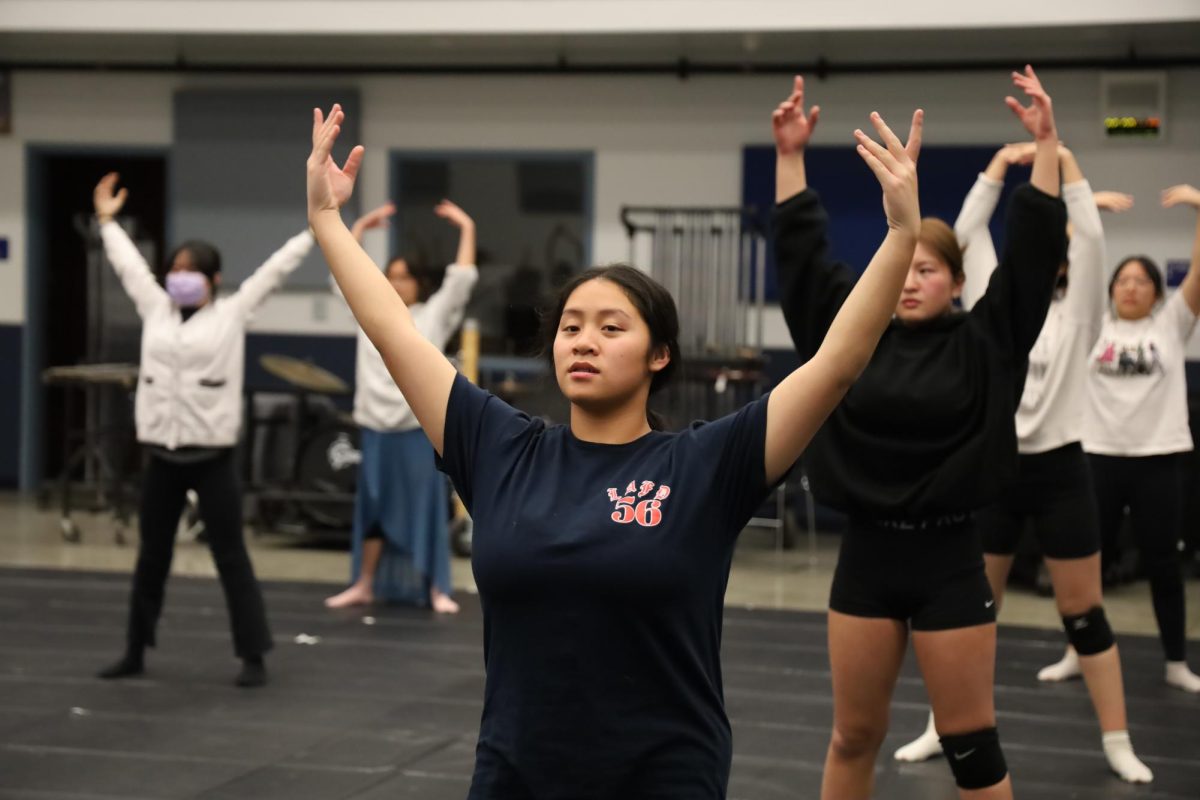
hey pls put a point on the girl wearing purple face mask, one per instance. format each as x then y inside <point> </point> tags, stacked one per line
<point>188,414</point>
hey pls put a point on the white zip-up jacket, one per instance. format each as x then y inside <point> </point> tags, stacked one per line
<point>378,403</point>
<point>1052,406</point>
<point>190,378</point>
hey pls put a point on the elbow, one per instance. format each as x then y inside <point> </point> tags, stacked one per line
<point>844,368</point>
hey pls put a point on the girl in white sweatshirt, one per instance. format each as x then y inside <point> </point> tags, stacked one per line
<point>188,414</point>
<point>401,550</point>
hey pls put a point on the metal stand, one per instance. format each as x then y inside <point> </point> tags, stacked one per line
<point>713,261</point>
<point>84,448</point>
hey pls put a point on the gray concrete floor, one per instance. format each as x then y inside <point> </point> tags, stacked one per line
<point>764,574</point>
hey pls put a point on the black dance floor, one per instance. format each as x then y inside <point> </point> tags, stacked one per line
<point>391,709</point>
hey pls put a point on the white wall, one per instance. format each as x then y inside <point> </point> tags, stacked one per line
<point>656,140</point>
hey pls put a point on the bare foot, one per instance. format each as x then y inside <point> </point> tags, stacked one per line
<point>356,595</point>
<point>442,603</point>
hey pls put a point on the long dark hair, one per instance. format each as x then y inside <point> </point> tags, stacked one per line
<point>428,280</point>
<point>1148,266</point>
<point>205,257</point>
<point>653,303</point>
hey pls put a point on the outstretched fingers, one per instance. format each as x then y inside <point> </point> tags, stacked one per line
<point>1182,194</point>
<point>882,174</point>
<point>353,162</point>
<point>323,146</point>
<point>797,95</point>
<point>880,153</point>
<point>916,133</point>
<point>1015,104</point>
<point>890,139</point>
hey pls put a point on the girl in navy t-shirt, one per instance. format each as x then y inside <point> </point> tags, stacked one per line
<point>602,547</point>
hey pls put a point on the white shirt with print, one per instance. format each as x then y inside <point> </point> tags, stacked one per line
<point>1137,388</point>
<point>1050,413</point>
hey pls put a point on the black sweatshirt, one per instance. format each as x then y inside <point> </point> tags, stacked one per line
<point>928,428</point>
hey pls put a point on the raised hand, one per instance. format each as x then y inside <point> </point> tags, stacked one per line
<point>107,203</point>
<point>375,218</point>
<point>1113,201</point>
<point>1038,116</point>
<point>895,166</point>
<point>453,214</point>
<point>330,186</point>
<point>791,125</point>
<point>1019,153</point>
<point>1181,195</point>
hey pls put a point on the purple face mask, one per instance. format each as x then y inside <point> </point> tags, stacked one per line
<point>188,289</point>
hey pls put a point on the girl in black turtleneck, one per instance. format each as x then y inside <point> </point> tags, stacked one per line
<point>923,439</point>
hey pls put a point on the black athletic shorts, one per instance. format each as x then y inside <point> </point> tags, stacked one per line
<point>1053,493</point>
<point>928,573</point>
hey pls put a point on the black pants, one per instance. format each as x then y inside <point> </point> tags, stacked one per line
<point>1151,488</point>
<point>164,493</point>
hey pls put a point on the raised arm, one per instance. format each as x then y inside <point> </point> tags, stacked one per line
<point>1038,119</point>
<point>1087,289</point>
<point>448,303</point>
<point>793,127</point>
<point>971,227</point>
<point>420,370</point>
<point>375,218</point>
<point>812,286</point>
<point>271,274</point>
<point>1013,309</point>
<point>466,231</point>
<point>801,402</point>
<point>132,270</point>
<point>1185,195</point>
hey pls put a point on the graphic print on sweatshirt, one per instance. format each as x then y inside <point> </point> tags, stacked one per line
<point>1127,360</point>
<point>636,505</point>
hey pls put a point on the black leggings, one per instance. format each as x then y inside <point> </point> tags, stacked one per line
<point>1151,488</point>
<point>164,493</point>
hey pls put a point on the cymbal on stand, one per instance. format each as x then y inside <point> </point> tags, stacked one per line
<point>303,374</point>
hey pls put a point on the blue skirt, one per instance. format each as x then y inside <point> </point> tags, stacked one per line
<point>403,498</point>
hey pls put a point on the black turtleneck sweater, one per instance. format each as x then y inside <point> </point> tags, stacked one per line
<point>928,427</point>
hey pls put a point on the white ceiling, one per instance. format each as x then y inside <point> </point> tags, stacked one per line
<point>1109,44</point>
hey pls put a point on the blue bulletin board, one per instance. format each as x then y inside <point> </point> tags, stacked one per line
<point>853,199</point>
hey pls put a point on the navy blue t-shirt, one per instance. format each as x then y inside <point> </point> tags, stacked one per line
<point>601,572</point>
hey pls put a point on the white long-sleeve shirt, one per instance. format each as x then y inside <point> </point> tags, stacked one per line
<point>1052,406</point>
<point>190,378</point>
<point>378,403</point>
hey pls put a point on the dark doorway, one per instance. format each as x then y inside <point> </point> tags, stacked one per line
<point>77,311</point>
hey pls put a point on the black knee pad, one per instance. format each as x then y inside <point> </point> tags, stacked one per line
<point>1089,633</point>
<point>975,758</point>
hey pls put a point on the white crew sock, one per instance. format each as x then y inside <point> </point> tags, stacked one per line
<point>1119,752</point>
<point>1179,676</point>
<point>1062,670</point>
<point>924,747</point>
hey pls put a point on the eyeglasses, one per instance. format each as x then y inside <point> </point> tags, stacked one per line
<point>1132,280</point>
